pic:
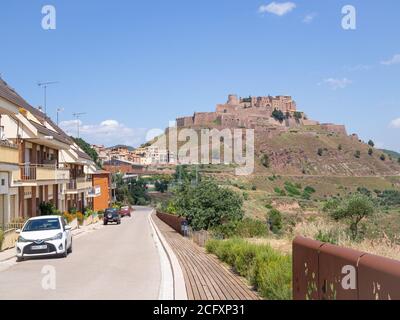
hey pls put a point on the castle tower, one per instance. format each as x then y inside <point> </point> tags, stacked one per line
<point>233,100</point>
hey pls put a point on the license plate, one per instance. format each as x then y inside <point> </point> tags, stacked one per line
<point>39,247</point>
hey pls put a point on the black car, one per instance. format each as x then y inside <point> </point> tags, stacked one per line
<point>112,215</point>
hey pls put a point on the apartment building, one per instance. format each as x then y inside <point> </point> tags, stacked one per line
<point>39,163</point>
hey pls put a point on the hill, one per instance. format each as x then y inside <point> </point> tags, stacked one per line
<point>129,148</point>
<point>391,153</point>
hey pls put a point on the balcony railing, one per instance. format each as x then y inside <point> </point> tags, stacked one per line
<point>8,153</point>
<point>32,172</point>
<point>79,184</point>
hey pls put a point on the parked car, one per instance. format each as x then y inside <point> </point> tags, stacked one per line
<point>112,215</point>
<point>44,236</point>
<point>126,211</point>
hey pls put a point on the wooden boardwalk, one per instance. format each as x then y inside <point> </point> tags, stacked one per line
<point>206,278</point>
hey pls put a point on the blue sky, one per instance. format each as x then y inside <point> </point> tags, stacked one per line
<point>135,65</point>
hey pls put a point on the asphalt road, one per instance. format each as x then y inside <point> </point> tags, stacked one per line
<point>113,262</point>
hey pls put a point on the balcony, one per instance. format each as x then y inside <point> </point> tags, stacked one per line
<point>40,172</point>
<point>8,153</point>
<point>79,184</point>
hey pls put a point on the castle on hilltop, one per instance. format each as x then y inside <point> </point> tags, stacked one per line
<point>255,113</point>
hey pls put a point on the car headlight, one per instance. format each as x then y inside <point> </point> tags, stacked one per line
<point>22,239</point>
<point>57,237</point>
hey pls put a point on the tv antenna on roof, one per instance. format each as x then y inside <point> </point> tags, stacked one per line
<point>44,85</point>
<point>77,116</point>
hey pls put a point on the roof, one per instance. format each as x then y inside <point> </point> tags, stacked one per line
<point>55,134</point>
<point>83,155</point>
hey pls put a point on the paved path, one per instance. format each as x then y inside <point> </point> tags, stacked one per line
<point>205,276</point>
<point>113,262</point>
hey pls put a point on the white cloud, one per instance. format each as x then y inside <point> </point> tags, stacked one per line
<point>394,60</point>
<point>395,123</point>
<point>108,132</point>
<point>277,8</point>
<point>309,18</point>
<point>337,83</point>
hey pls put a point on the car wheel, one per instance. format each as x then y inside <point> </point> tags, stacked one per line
<point>65,254</point>
<point>105,223</point>
<point>70,248</point>
<point>20,259</point>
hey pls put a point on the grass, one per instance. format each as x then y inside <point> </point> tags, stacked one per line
<point>269,271</point>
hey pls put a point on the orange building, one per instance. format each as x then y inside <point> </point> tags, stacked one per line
<point>102,190</point>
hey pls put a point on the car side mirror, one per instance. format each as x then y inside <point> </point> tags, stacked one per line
<point>68,228</point>
<point>18,231</point>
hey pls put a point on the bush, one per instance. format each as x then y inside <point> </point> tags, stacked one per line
<point>47,209</point>
<point>265,160</point>
<point>328,237</point>
<point>279,191</point>
<point>292,190</point>
<point>275,221</point>
<point>69,217</point>
<point>208,205</point>
<point>247,228</point>
<point>357,154</point>
<point>80,217</point>
<point>267,270</point>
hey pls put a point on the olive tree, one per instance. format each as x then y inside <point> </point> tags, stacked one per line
<point>353,210</point>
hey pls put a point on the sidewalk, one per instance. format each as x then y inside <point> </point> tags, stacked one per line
<point>206,278</point>
<point>77,233</point>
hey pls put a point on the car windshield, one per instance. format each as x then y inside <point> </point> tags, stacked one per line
<point>112,211</point>
<point>42,225</point>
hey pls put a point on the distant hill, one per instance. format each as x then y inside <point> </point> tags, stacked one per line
<point>392,153</point>
<point>122,146</point>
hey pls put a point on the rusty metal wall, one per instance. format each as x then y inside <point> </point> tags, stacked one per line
<point>323,271</point>
<point>173,221</point>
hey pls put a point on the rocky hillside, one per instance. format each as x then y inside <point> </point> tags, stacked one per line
<point>311,151</point>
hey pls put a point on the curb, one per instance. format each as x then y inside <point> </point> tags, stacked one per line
<point>179,286</point>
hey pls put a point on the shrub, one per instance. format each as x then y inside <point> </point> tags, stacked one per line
<point>328,237</point>
<point>275,221</point>
<point>247,228</point>
<point>320,152</point>
<point>266,269</point>
<point>245,196</point>
<point>265,160</point>
<point>357,154</point>
<point>278,115</point>
<point>80,217</point>
<point>370,151</point>
<point>207,205</point>
<point>292,189</point>
<point>47,209</point>
<point>279,191</point>
<point>383,157</point>
<point>69,217</point>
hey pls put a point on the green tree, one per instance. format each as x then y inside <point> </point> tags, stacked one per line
<point>87,149</point>
<point>207,205</point>
<point>370,151</point>
<point>298,115</point>
<point>278,115</point>
<point>371,143</point>
<point>353,210</point>
<point>383,157</point>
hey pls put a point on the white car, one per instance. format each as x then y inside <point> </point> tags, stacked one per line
<point>44,236</point>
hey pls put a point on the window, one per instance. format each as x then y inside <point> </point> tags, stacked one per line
<point>3,182</point>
